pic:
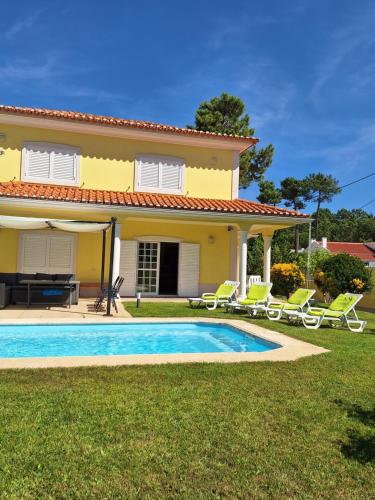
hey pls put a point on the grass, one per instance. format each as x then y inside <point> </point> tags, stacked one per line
<point>303,429</point>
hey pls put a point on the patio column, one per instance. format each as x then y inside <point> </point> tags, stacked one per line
<point>267,239</point>
<point>116,252</point>
<point>243,234</point>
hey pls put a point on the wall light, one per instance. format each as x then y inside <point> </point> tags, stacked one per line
<point>211,240</point>
<point>2,137</point>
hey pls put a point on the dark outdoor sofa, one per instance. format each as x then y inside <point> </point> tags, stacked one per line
<point>14,292</point>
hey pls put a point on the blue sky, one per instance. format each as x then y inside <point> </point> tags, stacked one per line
<point>305,69</point>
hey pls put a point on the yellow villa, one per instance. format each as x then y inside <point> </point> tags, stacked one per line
<point>181,228</point>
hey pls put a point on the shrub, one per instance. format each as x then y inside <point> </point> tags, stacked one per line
<point>343,273</point>
<point>286,278</point>
<point>317,257</point>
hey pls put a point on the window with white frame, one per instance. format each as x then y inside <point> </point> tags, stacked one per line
<point>160,174</point>
<point>50,163</point>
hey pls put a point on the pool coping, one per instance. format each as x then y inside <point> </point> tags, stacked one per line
<point>291,349</point>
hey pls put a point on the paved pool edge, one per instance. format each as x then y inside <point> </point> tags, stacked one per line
<point>290,350</point>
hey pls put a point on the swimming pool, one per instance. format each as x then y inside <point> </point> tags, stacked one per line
<point>95,339</point>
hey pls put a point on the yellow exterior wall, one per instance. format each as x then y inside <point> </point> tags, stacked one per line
<point>8,250</point>
<point>108,163</point>
<point>214,257</point>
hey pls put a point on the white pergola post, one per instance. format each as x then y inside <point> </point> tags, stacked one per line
<point>267,239</point>
<point>243,234</point>
<point>116,252</point>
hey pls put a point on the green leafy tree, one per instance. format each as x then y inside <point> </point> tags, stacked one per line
<point>226,115</point>
<point>269,193</point>
<point>322,188</point>
<point>294,192</point>
<point>316,260</point>
<point>343,273</point>
<point>255,255</point>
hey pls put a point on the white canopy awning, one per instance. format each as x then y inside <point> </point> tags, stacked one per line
<point>11,222</point>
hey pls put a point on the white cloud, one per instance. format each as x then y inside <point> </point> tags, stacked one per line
<point>343,50</point>
<point>22,70</point>
<point>53,77</point>
<point>350,153</point>
<point>22,25</point>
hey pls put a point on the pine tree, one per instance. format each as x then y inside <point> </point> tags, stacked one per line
<point>226,115</point>
<point>269,193</point>
<point>322,188</point>
<point>294,192</point>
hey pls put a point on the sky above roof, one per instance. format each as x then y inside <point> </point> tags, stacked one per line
<point>305,70</point>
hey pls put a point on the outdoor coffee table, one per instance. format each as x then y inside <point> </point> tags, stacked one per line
<point>48,283</point>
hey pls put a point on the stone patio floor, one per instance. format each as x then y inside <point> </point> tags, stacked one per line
<point>84,309</point>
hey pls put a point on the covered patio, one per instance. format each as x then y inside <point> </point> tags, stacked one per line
<point>70,226</point>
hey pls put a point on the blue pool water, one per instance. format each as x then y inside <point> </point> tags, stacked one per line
<point>23,341</point>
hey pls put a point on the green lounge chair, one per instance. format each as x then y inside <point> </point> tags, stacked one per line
<point>223,295</point>
<point>256,299</point>
<point>339,310</point>
<point>296,302</point>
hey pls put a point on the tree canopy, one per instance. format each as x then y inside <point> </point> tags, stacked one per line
<point>269,193</point>
<point>321,188</point>
<point>226,114</point>
<point>294,192</point>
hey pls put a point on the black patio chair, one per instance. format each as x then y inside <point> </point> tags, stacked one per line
<point>103,294</point>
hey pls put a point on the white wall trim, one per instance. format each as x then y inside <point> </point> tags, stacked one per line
<point>51,147</point>
<point>128,133</point>
<point>158,239</point>
<point>235,175</point>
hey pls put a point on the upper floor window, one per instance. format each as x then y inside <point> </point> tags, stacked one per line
<point>160,174</point>
<point>50,163</point>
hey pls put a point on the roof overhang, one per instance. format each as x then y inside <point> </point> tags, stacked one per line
<point>223,143</point>
<point>253,221</point>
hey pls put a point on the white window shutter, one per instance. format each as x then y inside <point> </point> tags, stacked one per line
<point>37,163</point>
<point>34,254</point>
<point>50,163</point>
<point>47,253</point>
<point>128,267</point>
<point>148,174</point>
<point>171,175</point>
<point>63,166</point>
<point>61,254</point>
<point>188,270</point>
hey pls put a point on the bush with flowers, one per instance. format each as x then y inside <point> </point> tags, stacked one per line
<point>343,273</point>
<point>286,278</point>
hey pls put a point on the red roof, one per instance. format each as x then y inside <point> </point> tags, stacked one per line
<point>360,250</point>
<point>25,190</point>
<point>118,122</point>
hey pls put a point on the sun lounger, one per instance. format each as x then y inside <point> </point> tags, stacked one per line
<point>225,293</point>
<point>296,302</point>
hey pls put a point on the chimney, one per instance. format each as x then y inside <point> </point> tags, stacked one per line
<point>324,242</point>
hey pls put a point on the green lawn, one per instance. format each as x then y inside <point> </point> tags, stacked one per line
<point>303,429</point>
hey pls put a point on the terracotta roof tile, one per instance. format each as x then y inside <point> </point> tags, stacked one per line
<point>360,250</point>
<point>117,122</point>
<point>25,190</point>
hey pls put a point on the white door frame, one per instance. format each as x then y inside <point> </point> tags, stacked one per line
<point>158,240</point>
